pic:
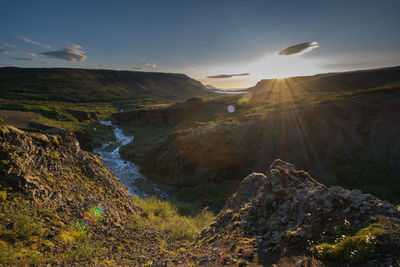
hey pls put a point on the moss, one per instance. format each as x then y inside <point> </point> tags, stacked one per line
<point>72,233</point>
<point>3,196</point>
<point>351,244</point>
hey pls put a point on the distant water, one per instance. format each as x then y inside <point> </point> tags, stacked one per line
<point>126,171</point>
<point>228,92</point>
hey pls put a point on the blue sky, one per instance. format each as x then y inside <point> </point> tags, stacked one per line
<point>201,38</point>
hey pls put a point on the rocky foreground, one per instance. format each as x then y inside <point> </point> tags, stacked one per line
<point>285,214</point>
<point>61,206</point>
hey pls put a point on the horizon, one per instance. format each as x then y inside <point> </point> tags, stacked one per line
<point>226,44</point>
<point>221,89</point>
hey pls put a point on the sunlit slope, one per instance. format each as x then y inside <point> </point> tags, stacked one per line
<point>84,85</point>
<point>331,82</point>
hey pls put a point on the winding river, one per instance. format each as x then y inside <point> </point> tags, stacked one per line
<point>126,171</point>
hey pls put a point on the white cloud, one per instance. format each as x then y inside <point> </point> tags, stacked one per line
<point>33,42</point>
<point>69,54</point>
<point>31,54</point>
<point>9,45</point>
<point>137,68</point>
<point>4,51</point>
<point>149,64</point>
<point>74,46</point>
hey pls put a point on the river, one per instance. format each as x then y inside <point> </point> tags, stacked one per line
<point>126,171</point>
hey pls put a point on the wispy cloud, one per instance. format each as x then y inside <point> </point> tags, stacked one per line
<point>137,68</point>
<point>31,54</point>
<point>74,46</point>
<point>299,48</point>
<point>26,39</point>
<point>9,45</point>
<point>5,51</point>
<point>222,76</point>
<point>70,54</point>
<point>45,62</point>
<point>8,65</point>
<point>104,66</point>
<point>24,58</point>
<point>149,64</point>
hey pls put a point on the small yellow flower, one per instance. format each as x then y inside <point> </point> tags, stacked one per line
<point>308,214</point>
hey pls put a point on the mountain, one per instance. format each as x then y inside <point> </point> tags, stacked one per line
<point>86,85</point>
<point>332,82</point>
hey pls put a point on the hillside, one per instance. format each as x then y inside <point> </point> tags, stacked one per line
<point>348,138</point>
<point>85,85</point>
<point>61,206</point>
<point>333,82</point>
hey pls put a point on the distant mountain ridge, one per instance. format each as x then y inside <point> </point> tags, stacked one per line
<point>338,81</point>
<point>89,85</point>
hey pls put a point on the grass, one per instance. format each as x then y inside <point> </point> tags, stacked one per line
<point>99,134</point>
<point>164,216</point>
<point>351,244</point>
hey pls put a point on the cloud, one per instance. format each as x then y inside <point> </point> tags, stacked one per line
<point>4,51</point>
<point>23,58</point>
<point>149,64</point>
<point>104,66</point>
<point>137,68</point>
<point>9,45</point>
<point>33,42</point>
<point>69,54</point>
<point>45,62</point>
<point>303,47</point>
<point>74,46</point>
<point>8,65</point>
<point>222,76</point>
<point>31,54</point>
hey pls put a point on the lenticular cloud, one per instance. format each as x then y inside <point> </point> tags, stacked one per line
<point>299,48</point>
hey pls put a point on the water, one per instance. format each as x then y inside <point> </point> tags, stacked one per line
<point>126,171</point>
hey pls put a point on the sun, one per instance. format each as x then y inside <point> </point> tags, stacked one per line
<point>276,66</point>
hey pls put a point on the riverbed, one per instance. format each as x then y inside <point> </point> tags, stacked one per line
<point>126,171</point>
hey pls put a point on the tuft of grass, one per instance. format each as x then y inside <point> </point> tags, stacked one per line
<point>164,216</point>
<point>351,244</point>
<point>72,233</point>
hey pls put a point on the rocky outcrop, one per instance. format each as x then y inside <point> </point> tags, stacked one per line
<point>284,209</point>
<point>51,170</point>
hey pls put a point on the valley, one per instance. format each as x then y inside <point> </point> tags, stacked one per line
<point>153,169</point>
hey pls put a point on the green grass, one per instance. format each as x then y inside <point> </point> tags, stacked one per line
<point>99,133</point>
<point>164,216</point>
<point>355,245</point>
<point>145,138</point>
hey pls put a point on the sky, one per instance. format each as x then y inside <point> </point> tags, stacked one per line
<point>226,44</point>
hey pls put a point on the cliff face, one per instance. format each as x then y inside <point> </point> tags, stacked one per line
<point>284,212</point>
<point>85,85</point>
<point>330,139</point>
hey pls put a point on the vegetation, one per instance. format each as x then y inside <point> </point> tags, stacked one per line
<point>163,216</point>
<point>350,244</point>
